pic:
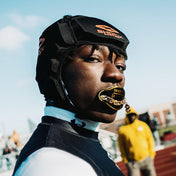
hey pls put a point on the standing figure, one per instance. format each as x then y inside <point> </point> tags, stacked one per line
<point>136,145</point>
<point>80,71</point>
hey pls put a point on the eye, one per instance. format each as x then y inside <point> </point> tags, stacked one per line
<point>121,68</point>
<point>92,59</point>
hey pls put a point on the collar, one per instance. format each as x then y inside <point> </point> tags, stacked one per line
<point>70,116</point>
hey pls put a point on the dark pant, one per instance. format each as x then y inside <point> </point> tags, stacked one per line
<point>146,167</point>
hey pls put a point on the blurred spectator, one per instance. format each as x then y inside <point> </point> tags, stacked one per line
<point>16,138</point>
<point>153,127</point>
<point>6,150</point>
<point>136,145</point>
<point>9,147</point>
<point>153,124</point>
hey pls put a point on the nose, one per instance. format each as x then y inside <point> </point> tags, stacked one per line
<point>113,74</point>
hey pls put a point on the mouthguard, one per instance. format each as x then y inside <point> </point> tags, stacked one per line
<point>113,97</point>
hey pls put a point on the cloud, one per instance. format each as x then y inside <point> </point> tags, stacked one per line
<point>27,21</point>
<point>12,38</point>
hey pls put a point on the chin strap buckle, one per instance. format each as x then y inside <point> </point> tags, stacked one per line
<point>78,124</point>
<point>127,107</point>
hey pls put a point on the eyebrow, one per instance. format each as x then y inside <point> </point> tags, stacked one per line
<point>110,49</point>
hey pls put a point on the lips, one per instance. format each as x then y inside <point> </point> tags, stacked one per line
<point>114,97</point>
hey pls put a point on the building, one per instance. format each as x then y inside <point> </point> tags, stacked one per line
<point>164,114</point>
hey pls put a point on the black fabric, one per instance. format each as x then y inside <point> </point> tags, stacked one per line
<point>75,30</point>
<point>69,137</point>
<point>107,34</point>
<point>66,33</point>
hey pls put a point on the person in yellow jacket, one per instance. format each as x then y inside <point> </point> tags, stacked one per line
<point>136,145</point>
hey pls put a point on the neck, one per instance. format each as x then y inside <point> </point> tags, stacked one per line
<point>70,117</point>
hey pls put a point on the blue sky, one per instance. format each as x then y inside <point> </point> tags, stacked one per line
<point>150,26</point>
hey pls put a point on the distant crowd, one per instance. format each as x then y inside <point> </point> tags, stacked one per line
<point>10,147</point>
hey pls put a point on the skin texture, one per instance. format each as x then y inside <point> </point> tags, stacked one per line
<point>86,74</point>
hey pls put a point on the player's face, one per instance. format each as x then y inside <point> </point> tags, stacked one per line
<point>87,74</point>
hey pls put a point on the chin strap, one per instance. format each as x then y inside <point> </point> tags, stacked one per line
<point>127,107</point>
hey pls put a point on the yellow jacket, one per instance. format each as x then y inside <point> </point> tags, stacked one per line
<point>135,141</point>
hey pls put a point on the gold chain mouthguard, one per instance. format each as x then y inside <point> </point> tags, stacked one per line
<point>114,97</point>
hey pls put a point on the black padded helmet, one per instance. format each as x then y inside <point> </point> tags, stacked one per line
<point>59,39</point>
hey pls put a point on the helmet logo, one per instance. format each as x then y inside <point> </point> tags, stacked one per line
<point>106,30</point>
<point>41,46</point>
